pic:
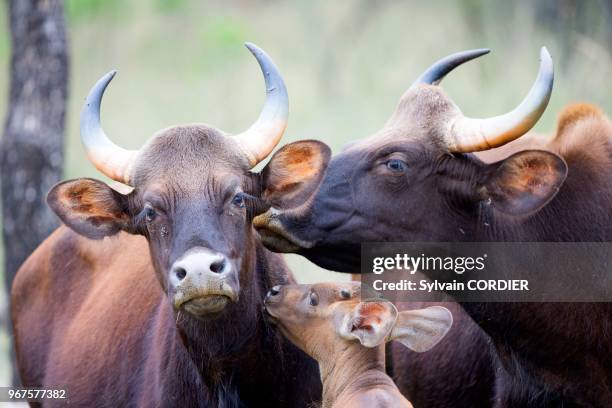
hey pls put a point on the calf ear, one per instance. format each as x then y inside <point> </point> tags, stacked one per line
<point>524,182</point>
<point>421,329</point>
<point>370,322</point>
<point>294,173</point>
<point>89,207</point>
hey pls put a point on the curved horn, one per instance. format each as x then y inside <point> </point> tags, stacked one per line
<point>259,140</point>
<point>471,135</point>
<point>435,73</point>
<point>110,159</point>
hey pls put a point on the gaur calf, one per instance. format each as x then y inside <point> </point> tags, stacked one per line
<point>347,336</point>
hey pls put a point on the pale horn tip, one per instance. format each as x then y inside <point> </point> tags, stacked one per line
<point>255,50</point>
<point>546,61</point>
<point>259,140</point>
<point>109,76</point>
<point>472,135</point>
<point>544,82</point>
<point>481,51</point>
<point>251,46</point>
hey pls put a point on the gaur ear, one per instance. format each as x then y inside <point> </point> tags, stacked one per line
<point>421,329</point>
<point>524,182</point>
<point>89,207</point>
<point>370,322</point>
<point>294,173</point>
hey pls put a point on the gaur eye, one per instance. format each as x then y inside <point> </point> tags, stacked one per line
<point>396,165</point>
<point>313,299</point>
<point>150,214</point>
<point>238,200</point>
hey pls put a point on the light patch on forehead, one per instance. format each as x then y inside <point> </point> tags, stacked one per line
<point>187,154</point>
<point>422,114</point>
<point>390,136</point>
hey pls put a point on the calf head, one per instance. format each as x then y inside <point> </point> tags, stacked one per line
<point>416,180</point>
<point>324,318</point>
<point>193,195</point>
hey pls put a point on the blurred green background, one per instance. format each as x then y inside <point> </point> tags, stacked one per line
<point>345,64</point>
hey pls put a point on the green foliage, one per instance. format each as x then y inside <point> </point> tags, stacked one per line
<point>4,36</point>
<point>77,10</point>
<point>170,5</point>
<point>223,32</point>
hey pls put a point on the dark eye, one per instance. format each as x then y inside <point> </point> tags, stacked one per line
<point>150,214</point>
<point>238,200</point>
<point>345,294</point>
<point>396,165</point>
<point>313,299</point>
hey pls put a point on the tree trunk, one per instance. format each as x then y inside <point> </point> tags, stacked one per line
<point>32,147</point>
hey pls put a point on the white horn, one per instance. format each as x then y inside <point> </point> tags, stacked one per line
<point>472,135</point>
<point>110,159</point>
<point>259,140</point>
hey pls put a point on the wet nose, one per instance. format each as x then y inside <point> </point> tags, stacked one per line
<point>199,263</point>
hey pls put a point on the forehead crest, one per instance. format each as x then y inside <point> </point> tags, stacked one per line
<point>187,151</point>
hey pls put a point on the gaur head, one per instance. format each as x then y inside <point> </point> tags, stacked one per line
<point>417,180</point>
<point>193,195</point>
<point>324,318</point>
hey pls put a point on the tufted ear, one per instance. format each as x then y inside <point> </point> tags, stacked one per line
<point>421,329</point>
<point>294,173</point>
<point>89,207</point>
<point>370,322</point>
<point>524,182</point>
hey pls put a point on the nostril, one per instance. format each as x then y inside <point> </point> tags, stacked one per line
<point>275,290</point>
<point>180,273</point>
<point>218,266</point>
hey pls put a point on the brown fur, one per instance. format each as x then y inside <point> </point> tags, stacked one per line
<point>579,112</point>
<point>445,197</point>
<point>97,316</point>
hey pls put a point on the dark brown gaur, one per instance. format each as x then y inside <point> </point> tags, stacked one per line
<point>347,336</point>
<point>416,180</point>
<point>154,297</point>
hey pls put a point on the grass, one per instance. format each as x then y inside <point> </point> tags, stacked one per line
<point>345,63</point>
